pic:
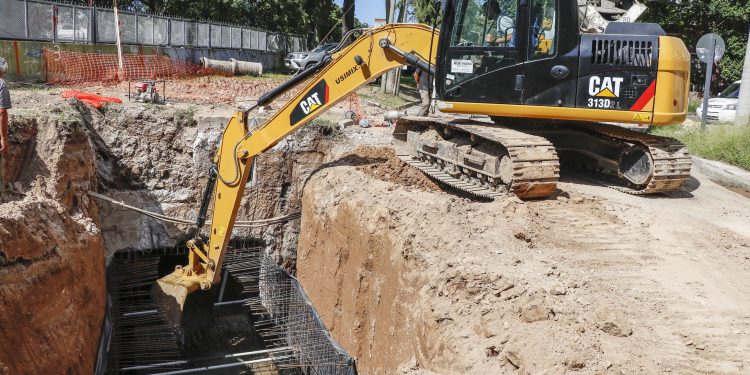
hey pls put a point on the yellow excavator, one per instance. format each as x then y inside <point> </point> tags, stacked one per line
<point>548,94</point>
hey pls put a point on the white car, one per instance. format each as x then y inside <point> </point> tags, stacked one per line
<point>723,107</point>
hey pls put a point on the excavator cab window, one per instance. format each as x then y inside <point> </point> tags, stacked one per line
<point>486,50</point>
<point>543,33</point>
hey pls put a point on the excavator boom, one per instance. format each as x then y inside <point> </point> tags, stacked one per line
<point>368,57</point>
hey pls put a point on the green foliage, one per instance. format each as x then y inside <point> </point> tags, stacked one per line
<point>691,19</point>
<point>725,143</point>
<point>424,11</point>
<point>693,104</point>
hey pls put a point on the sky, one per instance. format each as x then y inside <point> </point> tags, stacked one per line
<point>367,10</point>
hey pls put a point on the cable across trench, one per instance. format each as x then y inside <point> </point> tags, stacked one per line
<point>173,220</point>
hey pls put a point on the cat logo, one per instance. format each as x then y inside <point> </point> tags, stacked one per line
<point>607,87</point>
<point>311,102</point>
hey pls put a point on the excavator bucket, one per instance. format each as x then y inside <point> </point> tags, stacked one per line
<point>190,315</point>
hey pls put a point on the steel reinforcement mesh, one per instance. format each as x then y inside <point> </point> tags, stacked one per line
<point>137,340</point>
<point>66,67</point>
<point>297,324</point>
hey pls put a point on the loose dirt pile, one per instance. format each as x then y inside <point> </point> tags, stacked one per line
<point>591,281</point>
<point>382,163</point>
<point>52,289</point>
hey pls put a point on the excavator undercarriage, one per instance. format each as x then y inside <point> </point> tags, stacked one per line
<point>488,160</point>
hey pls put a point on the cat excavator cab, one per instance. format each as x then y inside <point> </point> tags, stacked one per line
<point>548,94</point>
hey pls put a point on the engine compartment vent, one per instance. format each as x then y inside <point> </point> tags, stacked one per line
<point>622,52</point>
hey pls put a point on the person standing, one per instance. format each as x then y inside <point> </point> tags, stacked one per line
<point>423,82</point>
<point>5,105</point>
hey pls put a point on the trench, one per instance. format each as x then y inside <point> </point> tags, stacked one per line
<point>262,321</point>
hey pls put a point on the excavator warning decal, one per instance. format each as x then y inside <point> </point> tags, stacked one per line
<point>311,102</point>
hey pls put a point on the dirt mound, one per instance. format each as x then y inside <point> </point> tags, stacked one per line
<point>383,164</point>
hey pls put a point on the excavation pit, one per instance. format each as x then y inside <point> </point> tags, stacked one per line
<point>262,322</point>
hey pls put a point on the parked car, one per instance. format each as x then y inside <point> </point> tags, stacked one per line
<point>723,107</point>
<point>301,60</point>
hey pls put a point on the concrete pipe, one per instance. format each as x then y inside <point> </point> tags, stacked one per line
<point>248,67</point>
<point>226,66</point>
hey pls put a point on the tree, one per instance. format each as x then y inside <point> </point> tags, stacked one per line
<point>691,19</point>
<point>425,10</point>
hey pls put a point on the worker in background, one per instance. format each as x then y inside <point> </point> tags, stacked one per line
<point>502,25</point>
<point>423,81</point>
<point>4,107</point>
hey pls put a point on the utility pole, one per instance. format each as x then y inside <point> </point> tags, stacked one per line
<point>742,115</point>
<point>390,18</point>
<point>120,68</point>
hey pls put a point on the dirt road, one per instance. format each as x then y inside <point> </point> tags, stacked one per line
<point>590,281</point>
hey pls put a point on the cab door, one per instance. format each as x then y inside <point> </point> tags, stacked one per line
<point>482,51</point>
<point>551,66</point>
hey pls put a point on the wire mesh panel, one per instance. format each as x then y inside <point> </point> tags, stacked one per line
<point>262,40</point>
<point>215,36</point>
<point>226,37</point>
<point>13,24</point>
<point>272,42</point>
<point>177,34</point>
<point>236,37</point>
<point>203,35</point>
<point>145,29</point>
<point>105,26</point>
<point>161,31</point>
<point>247,35</point>
<point>82,25</point>
<point>65,30</point>
<point>128,26</point>
<point>40,18</point>
<point>285,317</point>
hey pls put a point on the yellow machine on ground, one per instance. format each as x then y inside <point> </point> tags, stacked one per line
<point>546,87</point>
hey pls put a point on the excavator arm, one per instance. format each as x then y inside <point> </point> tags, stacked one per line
<point>368,57</point>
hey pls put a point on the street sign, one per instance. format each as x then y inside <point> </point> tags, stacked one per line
<point>710,49</point>
<point>710,42</point>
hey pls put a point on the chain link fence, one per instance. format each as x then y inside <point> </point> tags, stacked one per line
<point>39,20</point>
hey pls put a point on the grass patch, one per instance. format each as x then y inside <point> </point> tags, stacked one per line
<point>267,76</point>
<point>408,80</point>
<point>693,105</point>
<point>386,100</point>
<point>727,143</point>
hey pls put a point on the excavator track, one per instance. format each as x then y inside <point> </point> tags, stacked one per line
<point>670,158</point>
<point>506,160</point>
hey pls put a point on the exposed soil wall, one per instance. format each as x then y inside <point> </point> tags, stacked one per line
<point>52,290</point>
<point>592,281</point>
<point>157,158</point>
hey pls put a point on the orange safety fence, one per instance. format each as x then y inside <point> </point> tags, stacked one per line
<point>67,67</point>
<point>95,100</point>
